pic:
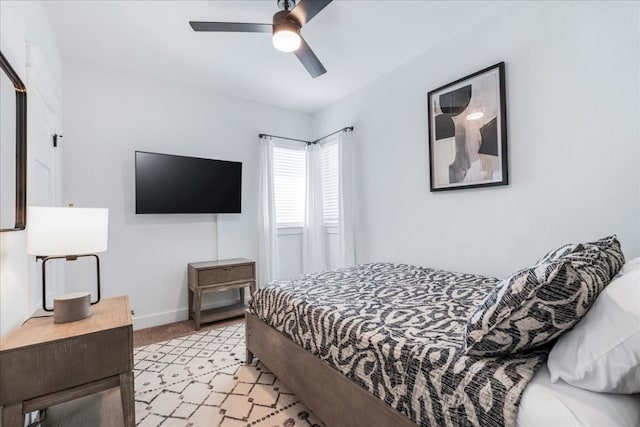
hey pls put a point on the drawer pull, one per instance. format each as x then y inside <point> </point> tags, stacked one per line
<point>227,268</point>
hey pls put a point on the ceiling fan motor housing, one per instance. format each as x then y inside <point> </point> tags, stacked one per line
<point>283,21</point>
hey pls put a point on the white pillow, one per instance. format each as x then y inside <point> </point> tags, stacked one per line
<point>602,352</point>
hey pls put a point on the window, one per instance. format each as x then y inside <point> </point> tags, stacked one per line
<point>289,183</point>
<point>289,168</point>
<point>329,167</point>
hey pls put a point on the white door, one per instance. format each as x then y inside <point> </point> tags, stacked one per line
<point>44,183</point>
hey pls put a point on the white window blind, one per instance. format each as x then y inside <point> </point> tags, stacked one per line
<point>289,183</point>
<point>329,166</point>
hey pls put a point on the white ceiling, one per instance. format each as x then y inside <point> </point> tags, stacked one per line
<point>357,41</point>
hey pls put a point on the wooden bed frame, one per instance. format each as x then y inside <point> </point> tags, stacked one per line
<point>330,395</point>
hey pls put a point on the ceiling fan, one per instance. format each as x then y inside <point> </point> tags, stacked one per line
<point>294,14</point>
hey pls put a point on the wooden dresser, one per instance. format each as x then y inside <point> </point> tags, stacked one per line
<point>43,363</point>
<point>218,276</point>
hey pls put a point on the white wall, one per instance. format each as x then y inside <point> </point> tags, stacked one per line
<point>109,115</point>
<point>21,22</point>
<point>290,251</point>
<point>572,80</point>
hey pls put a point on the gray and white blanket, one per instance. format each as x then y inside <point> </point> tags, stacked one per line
<point>397,330</point>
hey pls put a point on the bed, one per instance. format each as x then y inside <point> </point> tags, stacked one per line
<point>384,344</point>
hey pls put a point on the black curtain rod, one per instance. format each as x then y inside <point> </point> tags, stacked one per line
<point>262,135</point>
<point>348,128</point>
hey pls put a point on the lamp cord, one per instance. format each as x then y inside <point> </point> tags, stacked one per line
<point>36,317</point>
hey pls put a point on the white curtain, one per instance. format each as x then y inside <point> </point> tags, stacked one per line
<point>313,238</point>
<point>346,240</point>
<point>267,232</point>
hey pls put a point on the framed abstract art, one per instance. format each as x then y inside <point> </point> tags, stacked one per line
<point>468,132</point>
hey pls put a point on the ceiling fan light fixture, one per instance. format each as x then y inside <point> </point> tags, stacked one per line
<point>286,34</point>
<point>286,41</point>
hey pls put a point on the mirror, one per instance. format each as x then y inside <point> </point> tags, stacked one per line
<point>13,149</point>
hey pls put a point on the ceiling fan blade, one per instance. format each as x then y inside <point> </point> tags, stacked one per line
<point>304,11</point>
<point>309,59</point>
<point>231,27</point>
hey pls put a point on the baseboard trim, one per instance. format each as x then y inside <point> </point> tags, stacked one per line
<point>172,316</point>
<point>157,319</point>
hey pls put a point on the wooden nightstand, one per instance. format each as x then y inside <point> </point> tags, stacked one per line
<point>218,276</point>
<point>43,364</point>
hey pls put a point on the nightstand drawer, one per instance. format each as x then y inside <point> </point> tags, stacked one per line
<point>231,273</point>
<point>59,365</point>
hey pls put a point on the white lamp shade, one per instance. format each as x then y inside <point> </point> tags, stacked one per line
<point>66,231</point>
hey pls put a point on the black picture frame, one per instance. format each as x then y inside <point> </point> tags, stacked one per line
<point>468,132</point>
<point>20,183</point>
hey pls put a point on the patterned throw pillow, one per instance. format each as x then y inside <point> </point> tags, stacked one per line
<point>557,254</point>
<point>612,257</point>
<point>537,304</point>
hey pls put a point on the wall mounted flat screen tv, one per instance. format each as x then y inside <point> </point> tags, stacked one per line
<point>168,184</point>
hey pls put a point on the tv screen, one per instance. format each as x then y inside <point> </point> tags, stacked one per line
<point>177,184</point>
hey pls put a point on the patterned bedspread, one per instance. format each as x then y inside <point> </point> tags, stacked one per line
<point>397,330</point>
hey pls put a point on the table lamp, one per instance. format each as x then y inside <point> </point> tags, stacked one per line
<point>69,233</point>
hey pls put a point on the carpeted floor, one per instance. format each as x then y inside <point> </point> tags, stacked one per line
<point>201,380</point>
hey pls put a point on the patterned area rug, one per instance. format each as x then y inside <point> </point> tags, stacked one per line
<point>201,380</point>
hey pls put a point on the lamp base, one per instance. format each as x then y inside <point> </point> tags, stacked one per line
<point>71,307</point>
